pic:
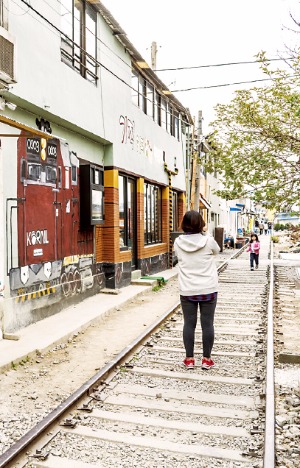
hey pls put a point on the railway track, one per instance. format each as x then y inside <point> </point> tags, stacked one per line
<point>145,409</point>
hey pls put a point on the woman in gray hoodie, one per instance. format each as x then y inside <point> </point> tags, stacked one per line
<point>198,284</point>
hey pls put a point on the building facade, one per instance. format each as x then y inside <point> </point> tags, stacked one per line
<point>92,159</point>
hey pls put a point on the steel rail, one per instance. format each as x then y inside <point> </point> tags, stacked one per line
<point>84,390</point>
<point>25,441</point>
<point>269,447</point>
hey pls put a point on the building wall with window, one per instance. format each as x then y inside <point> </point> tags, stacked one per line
<point>215,215</point>
<point>90,203</point>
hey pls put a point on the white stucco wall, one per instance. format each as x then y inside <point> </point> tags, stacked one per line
<point>2,242</point>
<point>50,88</point>
<point>8,176</point>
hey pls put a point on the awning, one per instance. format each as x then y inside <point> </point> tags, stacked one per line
<point>31,131</point>
<point>204,203</point>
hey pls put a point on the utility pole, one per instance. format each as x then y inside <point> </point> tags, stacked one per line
<point>153,55</point>
<point>193,168</point>
<point>197,163</point>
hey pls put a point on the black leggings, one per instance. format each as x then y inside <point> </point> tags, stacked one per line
<point>207,312</point>
<point>253,258</point>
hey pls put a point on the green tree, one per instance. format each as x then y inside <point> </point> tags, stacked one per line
<point>256,140</point>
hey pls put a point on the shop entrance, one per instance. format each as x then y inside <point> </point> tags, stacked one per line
<point>127,209</point>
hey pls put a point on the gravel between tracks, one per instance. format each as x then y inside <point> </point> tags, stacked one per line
<point>30,391</point>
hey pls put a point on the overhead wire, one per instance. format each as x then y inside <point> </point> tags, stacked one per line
<point>225,64</point>
<point>91,32</point>
<point>182,108</point>
<point>230,84</point>
<point>60,32</point>
<point>161,69</point>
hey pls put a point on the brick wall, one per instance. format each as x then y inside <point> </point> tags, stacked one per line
<point>107,235</point>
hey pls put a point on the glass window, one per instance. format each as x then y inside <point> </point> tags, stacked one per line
<point>74,175</point>
<point>135,87</point>
<point>163,107</point>
<point>145,96</point>
<point>175,213</point>
<point>157,112</point>
<point>78,19</point>
<point>67,17</point>
<point>34,171</point>
<point>142,94</point>
<point>122,203</point>
<point>4,13</point>
<point>51,174</point>
<point>97,206</point>
<point>152,220</point>
<point>23,170</point>
<point>150,100</point>
<point>79,38</point>
<point>59,178</point>
<point>127,220</point>
<point>176,126</point>
<point>169,118</point>
<point>91,42</point>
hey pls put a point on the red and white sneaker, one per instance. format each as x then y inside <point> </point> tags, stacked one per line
<point>189,363</point>
<point>207,363</point>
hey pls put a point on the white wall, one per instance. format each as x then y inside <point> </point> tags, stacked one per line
<point>48,87</point>
<point>2,239</point>
<point>143,154</point>
<point>45,81</point>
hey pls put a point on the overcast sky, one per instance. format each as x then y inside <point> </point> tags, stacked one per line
<point>200,32</point>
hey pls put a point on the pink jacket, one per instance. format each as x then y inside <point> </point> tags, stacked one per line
<point>254,247</point>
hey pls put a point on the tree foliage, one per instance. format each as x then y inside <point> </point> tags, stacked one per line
<point>256,140</point>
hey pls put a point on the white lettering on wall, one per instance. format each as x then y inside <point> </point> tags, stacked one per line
<point>144,146</point>
<point>37,237</point>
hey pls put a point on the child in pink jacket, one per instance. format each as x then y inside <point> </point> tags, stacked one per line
<point>253,248</point>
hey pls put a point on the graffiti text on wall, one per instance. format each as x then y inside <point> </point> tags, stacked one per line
<point>37,237</point>
<point>127,130</point>
<point>143,145</point>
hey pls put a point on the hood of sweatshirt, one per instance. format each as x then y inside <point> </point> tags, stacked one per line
<point>191,242</point>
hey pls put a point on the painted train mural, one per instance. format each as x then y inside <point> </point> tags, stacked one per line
<point>55,249</point>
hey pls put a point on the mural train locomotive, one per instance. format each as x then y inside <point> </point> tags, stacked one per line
<point>55,250</point>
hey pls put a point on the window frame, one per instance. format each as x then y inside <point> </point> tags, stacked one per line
<point>157,111</point>
<point>125,238</point>
<point>4,14</point>
<point>135,95</point>
<point>75,54</point>
<point>150,99</point>
<point>164,112</point>
<point>152,223</point>
<point>175,211</point>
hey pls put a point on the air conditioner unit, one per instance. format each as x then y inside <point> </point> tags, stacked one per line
<point>7,57</point>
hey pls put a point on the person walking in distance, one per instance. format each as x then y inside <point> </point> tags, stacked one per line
<point>253,248</point>
<point>198,285</point>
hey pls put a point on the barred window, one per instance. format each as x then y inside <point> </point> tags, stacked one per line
<point>79,38</point>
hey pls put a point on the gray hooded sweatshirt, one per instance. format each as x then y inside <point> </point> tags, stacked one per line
<point>197,268</point>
